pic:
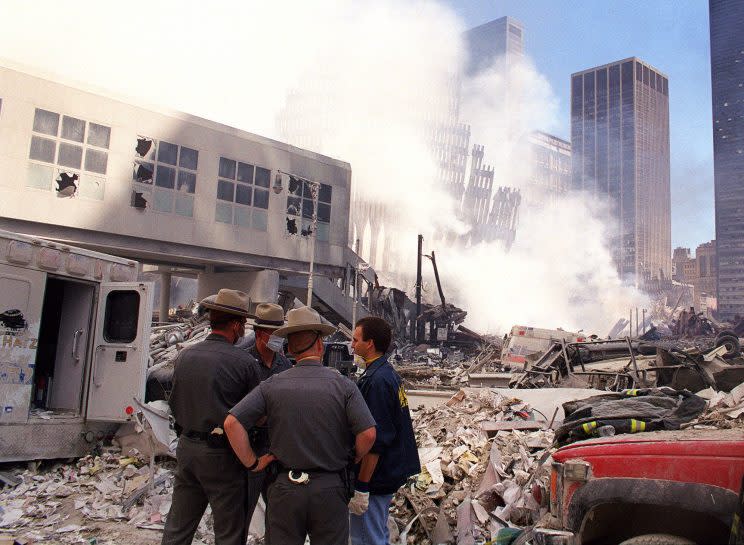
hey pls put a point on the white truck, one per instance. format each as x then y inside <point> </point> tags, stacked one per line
<point>74,341</point>
<point>524,341</point>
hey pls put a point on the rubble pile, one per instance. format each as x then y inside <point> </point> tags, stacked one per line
<point>425,368</point>
<point>476,478</point>
<point>167,340</point>
<point>724,410</point>
<point>71,503</point>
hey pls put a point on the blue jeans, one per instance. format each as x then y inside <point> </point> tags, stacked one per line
<point>371,527</point>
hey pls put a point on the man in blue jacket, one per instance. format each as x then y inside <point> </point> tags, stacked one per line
<point>394,456</point>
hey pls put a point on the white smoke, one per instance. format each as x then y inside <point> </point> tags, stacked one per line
<point>372,77</point>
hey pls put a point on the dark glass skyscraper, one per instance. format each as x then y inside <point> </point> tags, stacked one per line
<point>620,148</point>
<point>498,41</point>
<point>727,74</point>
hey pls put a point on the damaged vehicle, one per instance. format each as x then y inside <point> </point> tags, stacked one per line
<point>74,336</point>
<point>656,488</point>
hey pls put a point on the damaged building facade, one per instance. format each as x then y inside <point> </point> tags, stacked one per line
<point>187,196</point>
<point>620,147</point>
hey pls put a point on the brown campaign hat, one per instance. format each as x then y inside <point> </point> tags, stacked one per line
<point>230,301</point>
<point>268,316</point>
<point>304,319</point>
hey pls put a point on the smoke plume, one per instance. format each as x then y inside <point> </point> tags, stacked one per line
<point>363,81</point>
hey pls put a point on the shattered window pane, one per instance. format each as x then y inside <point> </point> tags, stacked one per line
<point>307,208</point>
<point>324,212</point>
<point>189,158</point>
<point>325,193</point>
<point>162,200</point>
<point>70,155</point>
<point>96,161</point>
<point>260,220</point>
<point>245,173</point>
<point>223,212</point>
<point>243,194</point>
<point>292,226</point>
<point>184,205</point>
<point>186,181</point>
<point>67,184</point>
<point>227,168</point>
<point>295,186</point>
<point>73,129</point>
<point>42,149</point>
<point>165,177</point>
<point>39,176</point>
<point>144,146</point>
<point>225,190</point>
<point>293,205</point>
<point>140,199</point>
<point>242,216</point>
<point>46,122</point>
<point>143,172</point>
<point>263,176</point>
<point>167,153</point>
<point>99,135</point>
<point>261,198</point>
<point>92,187</point>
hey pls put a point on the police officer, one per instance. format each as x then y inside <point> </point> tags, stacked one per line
<point>317,422</point>
<point>394,456</point>
<point>270,358</point>
<point>208,379</point>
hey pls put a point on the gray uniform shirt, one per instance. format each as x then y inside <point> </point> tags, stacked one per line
<point>208,379</point>
<point>313,415</point>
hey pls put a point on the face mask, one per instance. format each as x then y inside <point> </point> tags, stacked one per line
<point>275,344</point>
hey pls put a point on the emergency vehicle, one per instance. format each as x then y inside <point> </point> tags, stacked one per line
<point>524,341</point>
<point>74,339</point>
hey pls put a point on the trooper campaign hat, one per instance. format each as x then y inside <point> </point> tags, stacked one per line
<point>268,316</point>
<point>229,301</point>
<point>304,319</point>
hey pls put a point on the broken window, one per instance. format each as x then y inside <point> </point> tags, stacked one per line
<point>67,185</point>
<point>172,168</point>
<point>76,144</point>
<point>139,200</point>
<point>245,187</point>
<point>300,204</point>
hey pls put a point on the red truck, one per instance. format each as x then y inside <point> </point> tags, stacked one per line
<point>656,488</point>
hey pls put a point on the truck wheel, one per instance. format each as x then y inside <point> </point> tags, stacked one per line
<point>731,342</point>
<point>657,539</point>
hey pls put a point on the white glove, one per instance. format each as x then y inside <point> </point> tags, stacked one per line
<point>359,503</point>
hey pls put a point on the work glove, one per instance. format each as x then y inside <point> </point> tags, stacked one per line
<point>359,503</point>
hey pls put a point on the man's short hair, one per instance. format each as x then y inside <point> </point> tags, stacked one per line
<point>219,319</point>
<point>378,330</point>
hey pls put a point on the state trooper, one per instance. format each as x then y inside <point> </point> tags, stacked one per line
<point>208,379</point>
<point>268,353</point>
<point>318,423</point>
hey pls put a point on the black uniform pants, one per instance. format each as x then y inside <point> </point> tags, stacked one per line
<point>213,476</point>
<point>318,509</point>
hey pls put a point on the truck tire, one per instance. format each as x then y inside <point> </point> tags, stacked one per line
<point>731,342</point>
<point>657,539</point>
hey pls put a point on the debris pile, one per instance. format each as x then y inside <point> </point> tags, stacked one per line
<point>440,368</point>
<point>72,503</point>
<point>479,458</point>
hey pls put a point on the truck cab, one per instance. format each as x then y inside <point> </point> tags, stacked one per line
<point>74,339</point>
<point>523,341</point>
<point>665,488</point>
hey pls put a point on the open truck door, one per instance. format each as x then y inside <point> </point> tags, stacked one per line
<point>120,354</point>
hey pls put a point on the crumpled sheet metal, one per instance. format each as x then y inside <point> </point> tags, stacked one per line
<point>471,486</point>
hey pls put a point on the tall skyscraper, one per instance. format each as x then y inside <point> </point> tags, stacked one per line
<point>727,74</point>
<point>498,40</point>
<point>620,147</point>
